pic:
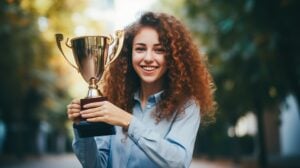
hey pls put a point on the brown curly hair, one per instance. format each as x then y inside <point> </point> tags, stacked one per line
<point>187,76</point>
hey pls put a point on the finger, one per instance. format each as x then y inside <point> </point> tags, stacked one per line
<point>92,115</point>
<point>76,101</point>
<point>73,106</point>
<point>73,116</point>
<point>91,110</point>
<point>97,119</point>
<point>74,111</point>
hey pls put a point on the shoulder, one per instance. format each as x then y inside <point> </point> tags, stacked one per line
<point>189,109</point>
<point>191,102</point>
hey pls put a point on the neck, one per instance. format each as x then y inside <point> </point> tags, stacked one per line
<point>149,89</point>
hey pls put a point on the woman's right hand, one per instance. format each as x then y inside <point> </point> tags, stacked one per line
<point>74,110</point>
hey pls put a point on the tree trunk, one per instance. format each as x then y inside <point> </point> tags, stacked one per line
<point>262,154</point>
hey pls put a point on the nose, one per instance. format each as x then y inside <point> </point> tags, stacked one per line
<point>148,57</point>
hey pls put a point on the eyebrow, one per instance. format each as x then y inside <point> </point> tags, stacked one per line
<point>143,44</point>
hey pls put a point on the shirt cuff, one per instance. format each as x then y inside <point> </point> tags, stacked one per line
<point>76,134</point>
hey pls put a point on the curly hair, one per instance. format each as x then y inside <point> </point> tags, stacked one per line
<point>187,76</point>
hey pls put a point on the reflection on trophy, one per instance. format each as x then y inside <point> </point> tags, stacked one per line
<point>91,56</point>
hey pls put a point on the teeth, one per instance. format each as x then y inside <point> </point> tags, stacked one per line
<point>148,68</point>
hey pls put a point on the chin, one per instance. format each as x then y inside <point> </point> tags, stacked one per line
<point>151,80</point>
<point>148,81</point>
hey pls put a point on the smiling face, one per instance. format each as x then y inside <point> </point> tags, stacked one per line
<point>148,57</point>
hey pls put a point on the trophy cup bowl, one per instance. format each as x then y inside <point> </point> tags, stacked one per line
<point>91,57</point>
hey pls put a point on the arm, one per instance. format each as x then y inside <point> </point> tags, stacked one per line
<point>92,152</point>
<point>174,150</point>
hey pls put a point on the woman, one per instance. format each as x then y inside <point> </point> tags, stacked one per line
<point>155,91</point>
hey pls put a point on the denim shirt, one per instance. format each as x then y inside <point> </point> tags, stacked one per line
<point>148,144</point>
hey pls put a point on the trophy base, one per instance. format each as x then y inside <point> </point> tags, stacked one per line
<point>90,129</point>
<point>87,129</point>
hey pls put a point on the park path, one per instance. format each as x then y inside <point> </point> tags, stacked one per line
<point>70,161</point>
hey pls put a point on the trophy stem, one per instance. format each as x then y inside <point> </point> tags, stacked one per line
<point>93,89</point>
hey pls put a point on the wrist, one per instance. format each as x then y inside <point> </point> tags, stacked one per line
<point>127,121</point>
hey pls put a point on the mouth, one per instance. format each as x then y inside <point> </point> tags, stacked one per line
<point>149,68</point>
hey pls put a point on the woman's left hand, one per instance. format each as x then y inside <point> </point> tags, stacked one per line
<point>107,112</point>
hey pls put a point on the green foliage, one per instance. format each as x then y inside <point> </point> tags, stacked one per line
<point>20,51</point>
<point>252,57</point>
<point>30,88</point>
<point>253,48</point>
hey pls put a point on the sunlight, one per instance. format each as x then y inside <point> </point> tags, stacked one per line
<point>113,14</point>
<point>246,125</point>
<point>105,17</point>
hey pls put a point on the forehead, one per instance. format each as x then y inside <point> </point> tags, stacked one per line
<point>146,35</point>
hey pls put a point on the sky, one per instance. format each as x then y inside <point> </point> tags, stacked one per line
<point>115,14</point>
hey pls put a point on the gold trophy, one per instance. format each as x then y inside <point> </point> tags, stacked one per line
<point>91,56</point>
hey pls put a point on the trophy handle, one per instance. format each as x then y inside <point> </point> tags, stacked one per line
<point>59,37</point>
<point>117,48</point>
<point>68,45</point>
<point>110,39</point>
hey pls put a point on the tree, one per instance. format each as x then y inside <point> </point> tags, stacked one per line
<point>31,87</point>
<point>253,49</point>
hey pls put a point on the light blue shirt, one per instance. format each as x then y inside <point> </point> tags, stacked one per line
<point>149,144</point>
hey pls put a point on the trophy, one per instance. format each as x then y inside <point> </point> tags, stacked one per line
<point>92,58</point>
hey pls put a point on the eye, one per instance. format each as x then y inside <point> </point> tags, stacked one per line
<point>160,50</point>
<point>139,49</point>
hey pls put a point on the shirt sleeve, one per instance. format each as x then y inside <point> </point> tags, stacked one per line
<point>92,152</point>
<point>176,148</point>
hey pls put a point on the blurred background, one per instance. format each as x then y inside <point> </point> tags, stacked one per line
<point>252,47</point>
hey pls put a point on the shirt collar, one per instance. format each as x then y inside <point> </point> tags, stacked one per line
<point>156,97</point>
